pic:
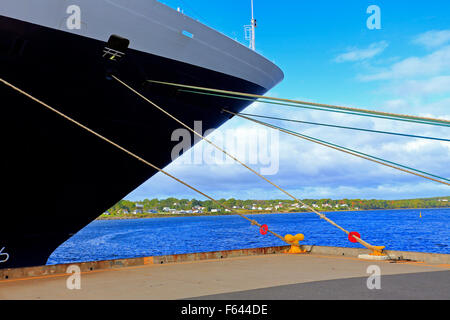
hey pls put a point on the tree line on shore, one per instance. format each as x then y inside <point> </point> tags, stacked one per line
<point>174,205</point>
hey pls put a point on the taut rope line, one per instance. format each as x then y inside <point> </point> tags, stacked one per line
<point>321,215</point>
<point>335,147</point>
<point>396,115</point>
<point>253,222</point>
<point>345,127</point>
<point>316,108</point>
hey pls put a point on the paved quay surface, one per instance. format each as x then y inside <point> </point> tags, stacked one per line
<point>271,277</point>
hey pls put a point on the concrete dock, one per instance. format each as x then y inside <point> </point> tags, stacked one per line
<point>250,274</point>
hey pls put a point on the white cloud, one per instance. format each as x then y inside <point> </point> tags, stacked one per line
<point>433,39</point>
<point>308,170</point>
<point>396,104</point>
<point>434,85</point>
<point>355,54</point>
<point>437,109</point>
<point>434,63</point>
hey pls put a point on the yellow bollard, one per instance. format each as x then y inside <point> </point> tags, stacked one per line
<point>378,251</point>
<point>294,242</point>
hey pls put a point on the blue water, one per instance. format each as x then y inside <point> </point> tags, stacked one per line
<point>395,229</point>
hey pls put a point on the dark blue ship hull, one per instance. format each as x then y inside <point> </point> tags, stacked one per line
<point>57,177</point>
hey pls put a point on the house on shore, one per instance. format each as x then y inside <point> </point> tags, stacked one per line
<point>139,209</point>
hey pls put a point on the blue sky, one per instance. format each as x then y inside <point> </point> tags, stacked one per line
<point>328,55</point>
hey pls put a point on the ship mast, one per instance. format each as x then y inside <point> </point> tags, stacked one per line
<point>252,41</point>
<point>250,30</point>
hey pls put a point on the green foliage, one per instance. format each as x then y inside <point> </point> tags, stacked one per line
<point>126,208</point>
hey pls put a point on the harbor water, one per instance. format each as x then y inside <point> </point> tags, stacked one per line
<point>401,230</point>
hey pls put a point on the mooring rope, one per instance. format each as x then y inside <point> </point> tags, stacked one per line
<point>393,116</point>
<point>344,127</point>
<point>252,221</point>
<point>315,108</point>
<point>321,215</point>
<point>347,150</point>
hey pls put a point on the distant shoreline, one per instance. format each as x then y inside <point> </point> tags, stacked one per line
<point>157,215</point>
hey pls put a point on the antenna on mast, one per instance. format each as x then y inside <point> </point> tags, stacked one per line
<point>250,31</point>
